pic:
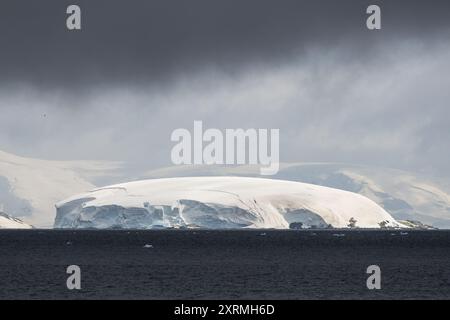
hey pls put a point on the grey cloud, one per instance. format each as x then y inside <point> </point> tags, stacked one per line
<point>337,91</point>
<point>391,111</point>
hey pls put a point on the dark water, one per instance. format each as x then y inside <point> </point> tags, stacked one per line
<point>240,264</point>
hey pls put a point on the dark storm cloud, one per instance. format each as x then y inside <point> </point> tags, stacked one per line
<point>155,40</point>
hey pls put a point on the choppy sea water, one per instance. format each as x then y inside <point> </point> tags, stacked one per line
<point>235,264</point>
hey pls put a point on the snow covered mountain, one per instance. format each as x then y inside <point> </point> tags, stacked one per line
<point>406,196</point>
<point>7,222</point>
<point>219,202</point>
<point>29,188</point>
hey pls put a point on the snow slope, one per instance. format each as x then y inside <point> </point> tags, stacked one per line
<point>403,194</point>
<point>218,202</point>
<point>7,222</point>
<point>29,188</point>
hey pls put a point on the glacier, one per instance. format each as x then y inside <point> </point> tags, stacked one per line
<point>219,203</point>
<point>29,188</point>
<point>404,195</point>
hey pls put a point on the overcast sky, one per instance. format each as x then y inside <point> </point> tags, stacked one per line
<point>140,69</point>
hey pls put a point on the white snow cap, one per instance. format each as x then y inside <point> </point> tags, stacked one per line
<point>219,202</point>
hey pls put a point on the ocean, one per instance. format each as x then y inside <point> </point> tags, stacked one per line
<point>228,264</point>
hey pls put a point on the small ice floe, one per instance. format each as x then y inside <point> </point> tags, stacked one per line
<point>338,235</point>
<point>263,234</point>
<point>148,246</point>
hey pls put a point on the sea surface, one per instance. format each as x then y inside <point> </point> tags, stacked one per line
<point>234,264</point>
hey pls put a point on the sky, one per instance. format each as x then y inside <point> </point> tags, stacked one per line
<point>138,70</point>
